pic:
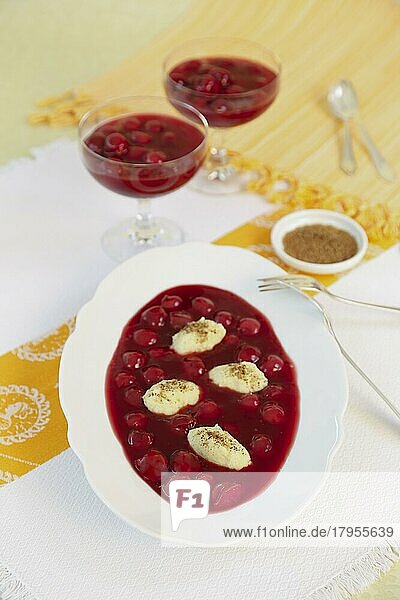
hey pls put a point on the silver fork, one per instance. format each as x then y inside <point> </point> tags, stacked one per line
<point>304,282</point>
<point>284,283</point>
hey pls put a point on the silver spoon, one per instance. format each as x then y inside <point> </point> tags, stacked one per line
<point>345,95</point>
<point>339,104</point>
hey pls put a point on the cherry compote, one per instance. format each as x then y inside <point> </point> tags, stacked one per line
<point>265,423</point>
<point>227,90</point>
<point>144,155</point>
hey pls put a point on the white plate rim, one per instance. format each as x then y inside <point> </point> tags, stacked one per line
<point>84,441</point>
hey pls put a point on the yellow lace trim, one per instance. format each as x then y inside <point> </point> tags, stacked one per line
<point>63,110</point>
<point>381,223</point>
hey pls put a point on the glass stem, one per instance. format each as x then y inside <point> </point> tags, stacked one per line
<point>144,227</point>
<point>218,152</point>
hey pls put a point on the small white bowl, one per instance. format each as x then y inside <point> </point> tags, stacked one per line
<point>318,216</point>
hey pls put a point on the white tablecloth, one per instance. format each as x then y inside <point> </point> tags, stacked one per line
<point>57,539</point>
<point>52,216</point>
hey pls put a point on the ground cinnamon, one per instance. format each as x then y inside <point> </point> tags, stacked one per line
<point>322,244</point>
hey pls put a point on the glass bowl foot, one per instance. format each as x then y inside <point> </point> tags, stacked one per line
<point>129,237</point>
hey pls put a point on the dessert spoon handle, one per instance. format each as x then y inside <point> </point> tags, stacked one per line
<point>381,164</point>
<point>348,162</point>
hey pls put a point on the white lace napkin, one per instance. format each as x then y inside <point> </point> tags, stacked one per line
<point>58,541</point>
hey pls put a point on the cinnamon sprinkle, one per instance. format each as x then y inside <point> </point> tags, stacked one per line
<point>322,244</point>
<point>220,437</point>
<point>200,329</point>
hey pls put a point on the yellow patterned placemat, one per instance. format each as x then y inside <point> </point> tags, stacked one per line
<point>32,425</point>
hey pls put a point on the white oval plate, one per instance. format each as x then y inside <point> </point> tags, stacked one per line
<point>87,353</point>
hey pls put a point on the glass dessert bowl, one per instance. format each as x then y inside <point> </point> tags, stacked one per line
<point>142,147</point>
<point>231,82</point>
